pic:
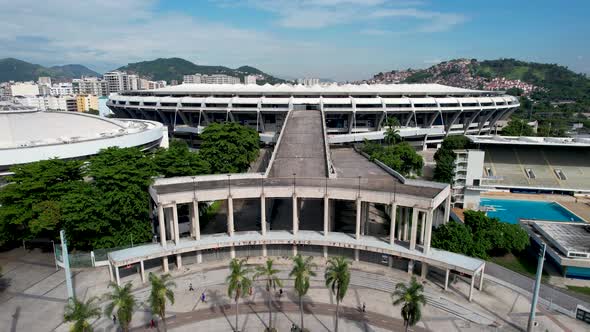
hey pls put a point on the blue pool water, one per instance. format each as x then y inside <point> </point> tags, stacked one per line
<point>510,211</point>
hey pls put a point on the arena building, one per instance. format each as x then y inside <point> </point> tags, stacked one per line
<point>309,198</point>
<point>28,135</point>
<point>426,112</point>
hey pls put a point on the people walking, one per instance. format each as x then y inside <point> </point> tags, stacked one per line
<point>190,287</point>
<point>114,319</point>
<point>203,297</point>
<point>364,307</point>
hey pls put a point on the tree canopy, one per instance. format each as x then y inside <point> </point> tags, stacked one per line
<point>445,157</point>
<point>229,147</point>
<point>517,127</point>
<point>401,157</point>
<point>178,160</point>
<point>480,236</point>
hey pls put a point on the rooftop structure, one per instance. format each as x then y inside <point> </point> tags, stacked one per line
<point>28,135</point>
<point>426,112</point>
<point>533,141</point>
<point>568,245</point>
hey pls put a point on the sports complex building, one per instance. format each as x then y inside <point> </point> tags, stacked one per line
<point>309,196</point>
<point>426,112</point>
<point>28,135</point>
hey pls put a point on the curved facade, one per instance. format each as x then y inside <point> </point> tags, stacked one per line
<point>30,135</point>
<point>426,112</point>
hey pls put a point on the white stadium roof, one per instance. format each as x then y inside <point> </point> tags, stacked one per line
<point>532,140</point>
<point>321,88</point>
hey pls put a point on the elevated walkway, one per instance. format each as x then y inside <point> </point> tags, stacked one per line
<point>301,149</point>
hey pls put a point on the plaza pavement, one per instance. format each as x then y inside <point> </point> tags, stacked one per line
<point>36,295</point>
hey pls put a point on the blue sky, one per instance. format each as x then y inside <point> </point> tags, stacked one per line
<point>339,39</point>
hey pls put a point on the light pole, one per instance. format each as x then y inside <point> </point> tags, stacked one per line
<point>359,187</point>
<point>531,323</point>
<point>229,184</point>
<point>294,183</point>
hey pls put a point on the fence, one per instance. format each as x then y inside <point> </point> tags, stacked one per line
<point>94,258</point>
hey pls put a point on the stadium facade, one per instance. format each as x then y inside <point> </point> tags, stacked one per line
<point>426,112</point>
<point>28,135</point>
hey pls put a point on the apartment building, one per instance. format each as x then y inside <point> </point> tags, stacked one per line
<point>85,103</point>
<point>210,79</point>
<point>90,86</point>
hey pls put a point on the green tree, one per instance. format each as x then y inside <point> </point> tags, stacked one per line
<point>178,160</point>
<point>517,127</point>
<point>453,236</point>
<point>412,299</point>
<point>238,282</point>
<point>122,302</point>
<point>79,313</point>
<point>401,157</point>
<point>29,204</point>
<point>229,147</point>
<point>445,157</point>
<point>302,271</point>
<point>337,278</point>
<point>392,135</point>
<point>123,177</point>
<point>271,281</point>
<point>160,293</point>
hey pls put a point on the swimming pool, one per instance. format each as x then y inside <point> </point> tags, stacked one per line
<point>510,211</point>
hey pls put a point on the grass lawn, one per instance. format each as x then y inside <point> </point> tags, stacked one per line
<point>522,264</point>
<point>581,290</point>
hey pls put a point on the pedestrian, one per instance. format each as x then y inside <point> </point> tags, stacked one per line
<point>114,319</point>
<point>190,287</point>
<point>293,328</point>
<point>280,292</point>
<point>250,291</point>
<point>364,307</point>
<point>203,297</point>
<point>152,323</point>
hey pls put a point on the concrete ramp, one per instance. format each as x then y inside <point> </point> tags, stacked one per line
<point>301,149</point>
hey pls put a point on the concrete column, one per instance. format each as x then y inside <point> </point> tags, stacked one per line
<point>230,216</point>
<point>422,227</point>
<point>195,221</point>
<point>358,218</point>
<point>162,225</point>
<point>414,228</point>
<point>263,215</point>
<point>356,255</point>
<point>428,237</point>
<point>295,215</point>
<point>165,263</point>
<point>411,266</point>
<point>142,272</point>
<point>294,250</point>
<point>447,209</point>
<point>390,261</point>
<point>178,261</point>
<point>325,251</point>
<point>168,217</point>
<point>264,251</point>
<point>424,271</point>
<point>366,208</point>
<point>117,276</point>
<point>232,252</point>
<point>481,275</point>
<point>447,272</point>
<point>199,257</point>
<point>406,223</point>
<point>471,287</point>
<point>326,215</point>
<point>175,222</point>
<point>392,226</point>
<point>111,275</point>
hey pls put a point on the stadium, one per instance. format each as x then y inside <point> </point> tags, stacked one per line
<point>426,112</point>
<point>28,135</point>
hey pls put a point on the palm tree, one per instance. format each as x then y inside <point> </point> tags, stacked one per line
<point>392,135</point>
<point>337,279</point>
<point>238,282</point>
<point>302,271</point>
<point>79,312</point>
<point>161,291</point>
<point>411,296</point>
<point>269,274</point>
<point>122,302</point>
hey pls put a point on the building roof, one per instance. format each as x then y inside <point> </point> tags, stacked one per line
<point>534,140</point>
<point>569,237</point>
<point>322,88</point>
<point>32,128</point>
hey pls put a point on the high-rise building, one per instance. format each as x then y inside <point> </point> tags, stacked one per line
<point>308,81</point>
<point>24,89</point>
<point>85,103</point>
<point>49,103</point>
<point>61,89</point>
<point>90,86</point>
<point>210,79</point>
<point>133,82</point>
<point>156,84</point>
<point>116,81</point>
<point>44,80</point>
<point>191,79</point>
<point>144,84</point>
<point>250,79</point>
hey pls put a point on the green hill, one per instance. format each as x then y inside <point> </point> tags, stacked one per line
<point>169,69</point>
<point>17,70</point>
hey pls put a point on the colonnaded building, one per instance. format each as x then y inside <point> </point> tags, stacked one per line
<point>309,196</point>
<point>426,112</point>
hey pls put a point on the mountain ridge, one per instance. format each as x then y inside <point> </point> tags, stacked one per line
<point>12,69</point>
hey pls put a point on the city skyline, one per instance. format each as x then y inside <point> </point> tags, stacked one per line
<point>337,39</point>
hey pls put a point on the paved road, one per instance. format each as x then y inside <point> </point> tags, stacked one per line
<point>547,292</point>
<point>327,309</point>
